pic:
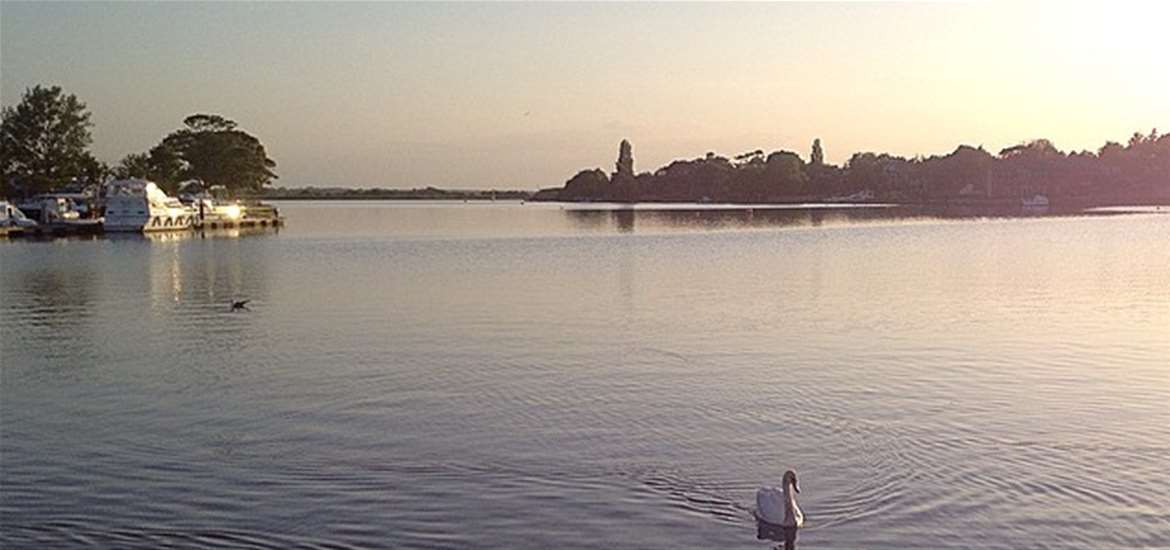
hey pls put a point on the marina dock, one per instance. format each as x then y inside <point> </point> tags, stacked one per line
<point>134,206</point>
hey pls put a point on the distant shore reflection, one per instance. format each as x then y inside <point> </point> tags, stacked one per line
<point>631,218</point>
<point>628,220</point>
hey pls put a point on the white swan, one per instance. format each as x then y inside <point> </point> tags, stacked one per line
<point>778,507</point>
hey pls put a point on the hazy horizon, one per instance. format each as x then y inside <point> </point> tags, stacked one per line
<point>524,96</point>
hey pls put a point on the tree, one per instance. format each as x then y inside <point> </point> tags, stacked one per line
<point>1037,148</point>
<point>161,165</point>
<point>750,157</point>
<point>134,165</point>
<point>587,184</point>
<point>817,158</point>
<point>1111,150</point>
<point>785,173</point>
<point>44,141</point>
<point>93,171</point>
<point>213,150</point>
<point>624,169</point>
<point>209,123</point>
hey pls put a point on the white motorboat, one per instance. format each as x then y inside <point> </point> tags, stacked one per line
<point>13,221</point>
<point>11,216</point>
<point>139,205</point>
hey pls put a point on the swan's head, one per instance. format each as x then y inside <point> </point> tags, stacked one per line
<point>790,477</point>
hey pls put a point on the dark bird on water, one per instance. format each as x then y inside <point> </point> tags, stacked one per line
<point>240,305</point>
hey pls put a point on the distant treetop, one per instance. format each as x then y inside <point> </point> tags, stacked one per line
<point>817,157</point>
<point>624,168</point>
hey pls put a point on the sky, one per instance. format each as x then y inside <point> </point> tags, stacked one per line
<point>522,96</point>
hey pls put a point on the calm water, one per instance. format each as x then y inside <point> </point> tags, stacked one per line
<point>527,376</point>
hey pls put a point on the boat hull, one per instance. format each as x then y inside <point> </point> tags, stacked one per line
<point>150,224</point>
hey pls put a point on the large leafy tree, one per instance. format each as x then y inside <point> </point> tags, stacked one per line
<point>586,184</point>
<point>44,141</point>
<point>215,151</point>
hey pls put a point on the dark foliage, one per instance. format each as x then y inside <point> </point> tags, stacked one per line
<point>586,184</point>
<point>817,157</point>
<point>161,165</point>
<point>1136,172</point>
<point>219,154</point>
<point>211,149</point>
<point>44,143</point>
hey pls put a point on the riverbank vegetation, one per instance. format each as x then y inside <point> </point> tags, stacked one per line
<point>1136,172</point>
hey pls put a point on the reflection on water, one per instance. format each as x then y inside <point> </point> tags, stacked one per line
<point>786,536</point>
<point>442,220</point>
<point>219,233</point>
<point>626,220</point>
<point>423,220</point>
<point>536,376</point>
<point>58,300</point>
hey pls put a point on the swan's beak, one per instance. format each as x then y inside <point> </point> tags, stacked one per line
<point>795,486</point>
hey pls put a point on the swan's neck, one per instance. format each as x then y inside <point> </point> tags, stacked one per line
<point>789,495</point>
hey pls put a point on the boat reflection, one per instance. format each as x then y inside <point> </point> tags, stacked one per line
<point>237,232</point>
<point>179,236</point>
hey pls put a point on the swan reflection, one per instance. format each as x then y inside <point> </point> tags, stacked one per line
<point>785,535</point>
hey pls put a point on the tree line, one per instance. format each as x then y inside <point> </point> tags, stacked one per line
<point>1138,171</point>
<point>45,140</point>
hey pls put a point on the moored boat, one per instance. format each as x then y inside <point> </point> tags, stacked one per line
<point>51,208</point>
<point>57,215</point>
<point>12,220</point>
<point>140,206</point>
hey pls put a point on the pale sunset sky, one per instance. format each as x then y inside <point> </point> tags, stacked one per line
<point>524,95</point>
